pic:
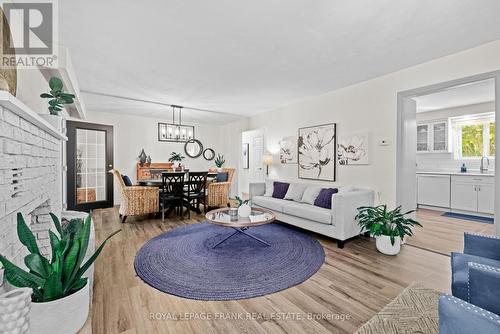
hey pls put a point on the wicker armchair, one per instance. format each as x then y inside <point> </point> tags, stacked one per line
<point>218,192</point>
<point>136,200</point>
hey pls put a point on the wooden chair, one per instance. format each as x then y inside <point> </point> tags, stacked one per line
<point>196,192</point>
<point>172,193</point>
<point>136,200</point>
<point>218,192</point>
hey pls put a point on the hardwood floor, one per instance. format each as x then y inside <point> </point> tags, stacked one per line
<point>353,284</point>
<point>443,234</point>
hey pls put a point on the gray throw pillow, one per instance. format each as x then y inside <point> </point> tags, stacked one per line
<point>310,194</point>
<point>295,192</point>
<point>269,188</point>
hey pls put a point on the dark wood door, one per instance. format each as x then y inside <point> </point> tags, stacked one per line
<point>89,159</point>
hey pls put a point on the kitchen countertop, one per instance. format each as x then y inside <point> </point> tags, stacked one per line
<point>455,172</point>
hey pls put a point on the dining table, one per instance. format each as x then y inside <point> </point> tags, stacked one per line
<point>157,182</point>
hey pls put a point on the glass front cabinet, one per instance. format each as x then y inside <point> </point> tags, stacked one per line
<point>432,137</point>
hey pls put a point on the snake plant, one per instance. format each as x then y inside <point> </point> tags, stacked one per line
<point>63,274</point>
<point>219,161</point>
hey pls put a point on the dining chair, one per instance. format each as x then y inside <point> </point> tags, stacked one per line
<point>172,193</point>
<point>196,191</point>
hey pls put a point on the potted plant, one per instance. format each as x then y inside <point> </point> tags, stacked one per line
<point>176,158</point>
<point>60,299</point>
<point>244,208</point>
<point>219,162</point>
<point>58,98</point>
<point>388,227</point>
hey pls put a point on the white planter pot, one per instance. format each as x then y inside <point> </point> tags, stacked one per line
<point>55,120</point>
<point>244,210</point>
<point>62,316</point>
<point>384,245</point>
<point>14,311</point>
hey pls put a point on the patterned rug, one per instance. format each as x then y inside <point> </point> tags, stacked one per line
<point>182,262</point>
<point>415,310</point>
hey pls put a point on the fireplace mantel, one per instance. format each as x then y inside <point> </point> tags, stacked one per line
<point>13,104</point>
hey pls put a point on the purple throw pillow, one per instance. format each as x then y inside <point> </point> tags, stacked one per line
<point>324,199</point>
<point>280,189</point>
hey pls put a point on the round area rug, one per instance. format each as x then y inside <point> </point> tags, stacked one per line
<point>182,262</point>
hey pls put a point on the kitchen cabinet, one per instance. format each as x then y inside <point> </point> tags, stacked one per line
<point>473,193</point>
<point>433,190</point>
<point>432,137</point>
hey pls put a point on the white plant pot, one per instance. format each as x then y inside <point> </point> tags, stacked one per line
<point>62,316</point>
<point>55,120</point>
<point>384,245</point>
<point>244,210</point>
<point>14,311</point>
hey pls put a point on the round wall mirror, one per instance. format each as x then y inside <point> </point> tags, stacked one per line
<point>193,148</point>
<point>209,154</point>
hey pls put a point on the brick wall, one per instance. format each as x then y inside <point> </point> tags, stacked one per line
<point>30,182</point>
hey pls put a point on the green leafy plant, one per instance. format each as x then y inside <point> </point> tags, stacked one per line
<point>62,275</point>
<point>58,98</point>
<point>219,161</point>
<point>379,221</point>
<point>241,201</point>
<point>176,157</point>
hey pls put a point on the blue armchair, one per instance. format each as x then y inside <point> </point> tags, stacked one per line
<point>475,304</point>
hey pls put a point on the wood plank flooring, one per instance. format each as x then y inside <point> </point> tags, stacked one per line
<point>353,284</point>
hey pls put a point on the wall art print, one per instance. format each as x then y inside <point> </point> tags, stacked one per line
<point>317,150</point>
<point>288,150</point>
<point>354,149</point>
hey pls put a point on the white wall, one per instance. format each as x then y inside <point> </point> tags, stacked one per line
<point>443,161</point>
<point>30,84</point>
<point>370,106</point>
<point>133,133</point>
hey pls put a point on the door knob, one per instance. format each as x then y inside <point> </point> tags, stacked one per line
<point>110,166</point>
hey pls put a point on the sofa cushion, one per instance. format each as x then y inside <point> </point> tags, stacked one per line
<point>269,188</point>
<point>222,177</point>
<point>309,212</point>
<point>280,189</point>
<point>295,192</point>
<point>274,204</point>
<point>324,199</point>
<point>126,180</point>
<point>310,194</point>
<point>460,272</point>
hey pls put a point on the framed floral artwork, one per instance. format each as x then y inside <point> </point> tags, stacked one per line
<point>354,149</point>
<point>317,152</point>
<point>288,150</point>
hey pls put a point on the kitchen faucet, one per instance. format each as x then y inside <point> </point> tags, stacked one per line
<point>482,168</point>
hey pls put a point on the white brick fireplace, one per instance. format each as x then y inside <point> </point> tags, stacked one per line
<point>30,175</point>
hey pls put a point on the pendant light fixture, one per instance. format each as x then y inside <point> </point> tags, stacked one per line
<point>175,131</point>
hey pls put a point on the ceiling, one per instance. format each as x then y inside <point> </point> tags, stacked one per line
<point>241,58</point>
<point>463,95</point>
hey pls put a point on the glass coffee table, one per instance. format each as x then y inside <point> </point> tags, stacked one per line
<point>222,217</point>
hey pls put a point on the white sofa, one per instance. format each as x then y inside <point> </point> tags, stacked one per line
<point>337,222</point>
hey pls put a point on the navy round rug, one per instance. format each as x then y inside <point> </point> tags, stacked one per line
<point>183,263</point>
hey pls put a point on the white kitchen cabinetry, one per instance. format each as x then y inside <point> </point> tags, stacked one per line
<point>432,137</point>
<point>473,193</point>
<point>433,190</point>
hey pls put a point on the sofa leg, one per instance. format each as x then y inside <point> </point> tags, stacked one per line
<point>340,243</point>
<point>123,219</point>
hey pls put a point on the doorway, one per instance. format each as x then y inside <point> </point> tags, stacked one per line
<point>410,141</point>
<point>89,158</point>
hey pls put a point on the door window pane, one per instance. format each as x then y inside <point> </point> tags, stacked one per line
<point>472,140</point>
<point>90,166</point>
<point>492,139</point>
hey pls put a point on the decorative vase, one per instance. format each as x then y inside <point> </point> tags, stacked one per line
<point>175,165</point>
<point>244,210</point>
<point>148,160</point>
<point>142,158</point>
<point>15,310</point>
<point>61,316</point>
<point>384,246</point>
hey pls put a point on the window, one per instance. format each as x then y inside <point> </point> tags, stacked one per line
<point>474,136</point>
